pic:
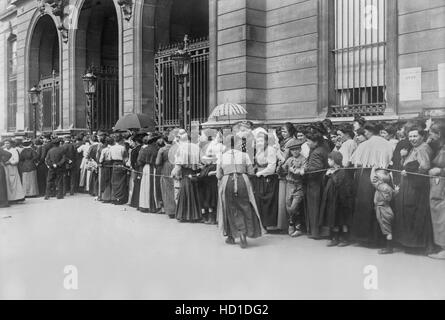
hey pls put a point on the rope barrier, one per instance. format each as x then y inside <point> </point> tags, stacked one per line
<point>309,172</point>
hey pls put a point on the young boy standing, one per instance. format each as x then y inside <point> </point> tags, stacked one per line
<point>294,187</point>
<point>381,180</point>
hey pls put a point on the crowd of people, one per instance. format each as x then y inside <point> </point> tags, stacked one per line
<point>379,185</point>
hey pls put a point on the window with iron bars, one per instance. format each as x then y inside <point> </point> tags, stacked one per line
<point>12,84</point>
<point>359,56</point>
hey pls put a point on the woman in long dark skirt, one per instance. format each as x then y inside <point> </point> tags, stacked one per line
<point>167,184</point>
<point>119,187</point>
<point>186,166</point>
<point>134,201</point>
<point>412,223</point>
<point>317,160</point>
<point>106,171</point>
<point>374,152</point>
<point>4,157</point>
<point>238,215</point>
<point>265,183</point>
<point>336,205</point>
<point>42,169</point>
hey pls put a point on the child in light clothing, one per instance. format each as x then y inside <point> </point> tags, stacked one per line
<point>384,193</point>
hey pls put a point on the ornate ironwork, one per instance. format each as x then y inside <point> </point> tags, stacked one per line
<point>57,8</point>
<point>376,109</point>
<point>196,84</point>
<point>127,8</point>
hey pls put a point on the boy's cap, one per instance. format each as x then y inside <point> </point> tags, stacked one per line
<point>295,144</point>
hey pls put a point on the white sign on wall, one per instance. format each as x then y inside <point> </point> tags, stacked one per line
<point>441,79</point>
<point>410,84</point>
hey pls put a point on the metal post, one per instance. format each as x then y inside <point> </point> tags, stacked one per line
<point>181,102</point>
<point>35,120</point>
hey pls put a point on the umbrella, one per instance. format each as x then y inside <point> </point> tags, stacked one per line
<point>135,121</point>
<point>228,110</point>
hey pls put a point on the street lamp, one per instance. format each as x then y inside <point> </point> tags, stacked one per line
<point>181,67</point>
<point>34,100</point>
<point>89,86</point>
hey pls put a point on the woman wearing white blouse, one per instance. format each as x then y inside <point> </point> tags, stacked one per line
<point>265,183</point>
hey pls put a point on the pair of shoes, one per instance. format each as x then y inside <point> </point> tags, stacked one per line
<point>344,243</point>
<point>440,255</point>
<point>333,243</point>
<point>386,251</point>
<point>296,234</point>
<point>230,240</point>
<point>46,198</point>
<point>171,216</point>
<point>243,241</point>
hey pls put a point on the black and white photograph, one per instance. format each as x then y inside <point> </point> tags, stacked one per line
<point>222,151</point>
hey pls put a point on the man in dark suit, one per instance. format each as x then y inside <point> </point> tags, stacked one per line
<point>72,174</point>
<point>56,162</point>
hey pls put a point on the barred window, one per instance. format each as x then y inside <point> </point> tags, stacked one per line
<point>12,83</point>
<point>359,55</point>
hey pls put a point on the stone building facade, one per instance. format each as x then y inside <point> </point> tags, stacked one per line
<point>284,60</point>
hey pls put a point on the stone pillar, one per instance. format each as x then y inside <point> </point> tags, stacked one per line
<point>241,54</point>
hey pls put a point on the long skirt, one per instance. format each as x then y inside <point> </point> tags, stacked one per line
<point>83,173</point>
<point>266,196</point>
<point>168,195</point>
<point>105,182</point>
<point>365,228</point>
<point>42,173</point>
<point>131,186</point>
<point>239,215</point>
<point>208,192</point>
<point>119,188</point>
<point>437,206</point>
<point>134,203</point>
<point>30,184</point>
<point>14,184</point>
<point>283,221</point>
<point>148,198</point>
<point>3,188</point>
<point>313,197</point>
<point>412,223</point>
<point>188,202</point>
<point>94,183</point>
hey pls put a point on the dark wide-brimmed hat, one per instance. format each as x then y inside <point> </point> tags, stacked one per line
<point>27,142</point>
<point>153,136</point>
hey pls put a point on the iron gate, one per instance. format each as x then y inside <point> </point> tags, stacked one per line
<point>196,85</point>
<point>49,113</point>
<point>106,104</point>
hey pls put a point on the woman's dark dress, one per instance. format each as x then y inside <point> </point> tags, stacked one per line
<point>188,200</point>
<point>412,223</point>
<point>336,204</point>
<point>134,201</point>
<point>317,160</point>
<point>365,228</point>
<point>4,157</point>
<point>42,169</point>
<point>208,188</point>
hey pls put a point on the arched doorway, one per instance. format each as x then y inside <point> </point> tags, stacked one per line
<point>97,48</point>
<point>44,70</point>
<point>173,20</point>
